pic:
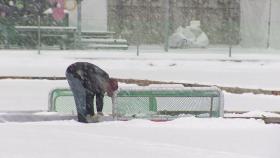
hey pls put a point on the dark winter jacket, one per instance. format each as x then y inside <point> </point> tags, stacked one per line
<point>93,78</point>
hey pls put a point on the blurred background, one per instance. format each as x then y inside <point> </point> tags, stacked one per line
<point>120,24</point>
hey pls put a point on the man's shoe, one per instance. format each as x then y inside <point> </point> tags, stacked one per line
<point>100,114</point>
<point>92,119</point>
<point>82,118</point>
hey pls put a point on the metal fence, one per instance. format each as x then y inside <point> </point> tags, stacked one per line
<point>168,102</point>
<point>150,102</point>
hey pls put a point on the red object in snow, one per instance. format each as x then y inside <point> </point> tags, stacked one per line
<point>61,2</point>
<point>58,14</point>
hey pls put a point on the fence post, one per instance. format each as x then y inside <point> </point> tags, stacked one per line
<point>152,104</point>
<point>39,34</point>
<point>269,25</point>
<point>166,25</point>
<point>211,108</point>
<point>114,105</point>
<point>79,23</point>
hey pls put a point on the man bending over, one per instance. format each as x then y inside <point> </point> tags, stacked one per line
<point>87,80</point>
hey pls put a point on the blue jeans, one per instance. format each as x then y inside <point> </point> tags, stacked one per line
<point>83,99</point>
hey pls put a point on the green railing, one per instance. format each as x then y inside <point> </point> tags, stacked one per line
<point>150,102</point>
<point>154,102</point>
<point>61,100</point>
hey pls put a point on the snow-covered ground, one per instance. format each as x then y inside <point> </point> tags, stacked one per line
<point>186,137</point>
<point>247,68</point>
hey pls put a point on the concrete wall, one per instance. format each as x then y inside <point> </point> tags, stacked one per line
<point>260,23</point>
<point>143,20</point>
<point>253,25</point>
<point>94,15</point>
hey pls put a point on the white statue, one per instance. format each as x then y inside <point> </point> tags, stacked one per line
<point>189,37</point>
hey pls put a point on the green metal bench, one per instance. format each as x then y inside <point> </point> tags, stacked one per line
<point>64,35</point>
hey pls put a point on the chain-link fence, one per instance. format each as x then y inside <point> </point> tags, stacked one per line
<point>168,102</point>
<point>61,100</point>
<point>150,102</point>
